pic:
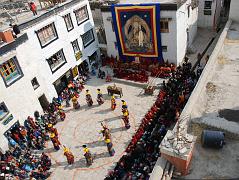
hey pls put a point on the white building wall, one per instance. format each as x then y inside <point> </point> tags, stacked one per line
<point>170,39</point>
<point>167,39</point>
<point>20,98</point>
<point>182,25</point>
<point>110,35</point>
<point>209,21</point>
<point>234,10</point>
<point>176,40</point>
<point>192,25</point>
<point>185,23</point>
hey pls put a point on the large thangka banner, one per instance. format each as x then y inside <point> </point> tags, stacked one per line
<point>137,29</point>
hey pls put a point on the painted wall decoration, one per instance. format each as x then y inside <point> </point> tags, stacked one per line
<point>137,30</point>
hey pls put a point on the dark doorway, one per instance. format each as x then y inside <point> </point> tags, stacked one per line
<point>83,67</point>
<point>63,81</point>
<point>44,102</point>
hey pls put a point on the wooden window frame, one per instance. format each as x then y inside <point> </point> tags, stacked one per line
<point>68,16</point>
<point>11,66</point>
<point>207,11</point>
<point>45,33</point>
<point>205,4</point>
<point>91,41</point>
<point>162,28</point>
<point>164,48</point>
<point>61,64</point>
<point>35,86</point>
<point>78,54</point>
<point>77,15</point>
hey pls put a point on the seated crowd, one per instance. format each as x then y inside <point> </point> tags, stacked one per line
<point>24,159</point>
<point>143,150</point>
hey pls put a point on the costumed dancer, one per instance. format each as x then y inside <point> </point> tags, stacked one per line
<point>51,129</point>
<point>126,118</point>
<point>105,132</point>
<point>75,102</point>
<point>110,147</point>
<point>113,103</point>
<point>56,143</point>
<point>88,156</point>
<point>124,105</point>
<point>61,113</point>
<point>69,155</point>
<point>89,98</point>
<point>100,99</point>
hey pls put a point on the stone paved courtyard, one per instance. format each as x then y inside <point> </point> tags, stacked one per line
<point>82,127</point>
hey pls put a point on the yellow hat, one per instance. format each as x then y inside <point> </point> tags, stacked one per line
<point>52,135</point>
<point>66,149</point>
<point>49,125</point>
<point>107,141</point>
<point>126,113</point>
<point>112,97</point>
<point>86,150</point>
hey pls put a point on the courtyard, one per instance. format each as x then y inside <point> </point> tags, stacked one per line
<point>82,127</point>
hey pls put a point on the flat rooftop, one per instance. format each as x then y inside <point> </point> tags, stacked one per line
<point>221,112</point>
<point>21,14</point>
<point>147,1</point>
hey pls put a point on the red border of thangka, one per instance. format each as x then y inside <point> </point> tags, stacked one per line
<point>151,9</point>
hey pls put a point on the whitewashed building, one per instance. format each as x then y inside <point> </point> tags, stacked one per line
<point>178,27</point>
<point>209,13</point>
<point>52,49</point>
<point>234,10</point>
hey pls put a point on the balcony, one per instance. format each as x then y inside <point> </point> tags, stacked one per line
<point>7,47</point>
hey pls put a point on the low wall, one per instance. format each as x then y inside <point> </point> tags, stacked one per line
<point>196,104</point>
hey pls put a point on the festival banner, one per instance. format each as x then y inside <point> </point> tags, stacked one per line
<point>137,29</point>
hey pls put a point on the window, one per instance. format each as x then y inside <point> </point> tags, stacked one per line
<point>56,61</point>
<point>81,15</point>
<point>3,111</point>
<point>77,51</point>
<point>10,71</point>
<point>35,83</point>
<point>47,35</point>
<point>188,11</point>
<point>68,21</point>
<point>88,38</point>
<point>164,26</point>
<point>208,5</point>
<point>164,48</point>
<point>207,8</point>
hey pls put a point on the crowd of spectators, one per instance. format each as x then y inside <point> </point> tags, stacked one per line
<point>24,160</point>
<point>143,150</point>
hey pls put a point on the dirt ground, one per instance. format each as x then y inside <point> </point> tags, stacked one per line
<point>215,164</point>
<point>222,112</point>
<point>82,127</point>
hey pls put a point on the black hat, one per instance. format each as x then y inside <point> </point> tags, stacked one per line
<point>87,90</point>
<point>98,89</point>
<point>122,100</point>
<point>84,146</point>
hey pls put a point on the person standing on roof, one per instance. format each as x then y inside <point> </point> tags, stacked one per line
<point>33,8</point>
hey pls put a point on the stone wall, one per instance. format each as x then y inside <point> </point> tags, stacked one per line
<point>196,104</point>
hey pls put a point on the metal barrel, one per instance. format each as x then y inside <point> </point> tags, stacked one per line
<point>213,139</point>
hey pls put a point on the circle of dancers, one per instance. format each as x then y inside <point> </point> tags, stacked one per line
<point>72,93</point>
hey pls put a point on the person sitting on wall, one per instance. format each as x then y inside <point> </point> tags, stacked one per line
<point>15,30</point>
